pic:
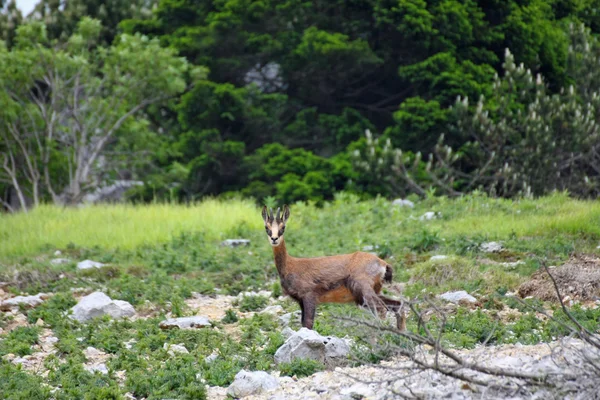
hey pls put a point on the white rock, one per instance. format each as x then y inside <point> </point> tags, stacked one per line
<point>57,253</point>
<point>403,203</point>
<point>429,215</point>
<point>491,247</point>
<point>512,265</point>
<point>286,319</point>
<point>89,264</point>
<point>212,357</point>
<point>129,344</point>
<point>358,390</point>
<point>370,248</point>
<point>308,344</point>
<point>235,242</point>
<point>101,368</point>
<point>60,261</point>
<point>175,348</point>
<point>247,383</point>
<point>262,293</point>
<point>287,332</point>
<point>92,352</point>
<point>273,310</point>
<point>197,321</point>
<point>438,257</point>
<point>98,304</point>
<point>455,297</point>
<point>24,301</point>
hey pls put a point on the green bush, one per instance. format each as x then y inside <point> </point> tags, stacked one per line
<point>300,367</point>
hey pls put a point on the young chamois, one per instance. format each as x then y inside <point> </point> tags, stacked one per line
<point>346,278</point>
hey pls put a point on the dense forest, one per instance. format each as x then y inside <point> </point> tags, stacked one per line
<point>293,100</point>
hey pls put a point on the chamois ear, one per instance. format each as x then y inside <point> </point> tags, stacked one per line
<point>264,214</point>
<point>286,213</point>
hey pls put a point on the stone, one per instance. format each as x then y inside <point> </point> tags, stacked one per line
<point>429,215</point>
<point>60,261</point>
<point>358,391</point>
<point>89,264</point>
<point>101,368</point>
<point>308,344</point>
<point>370,248</point>
<point>262,293</point>
<point>247,383</point>
<point>129,344</point>
<point>403,203</point>
<point>185,322</point>
<point>57,253</point>
<point>512,265</point>
<point>235,242</point>
<point>491,247</point>
<point>175,348</point>
<point>98,304</point>
<point>286,319</point>
<point>210,358</point>
<point>439,257</point>
<point>456,297</point>
<point>273,310</point>
<point>23,301</point>
<point>287,332</point>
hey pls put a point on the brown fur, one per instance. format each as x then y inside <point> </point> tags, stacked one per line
<point>357,277</point>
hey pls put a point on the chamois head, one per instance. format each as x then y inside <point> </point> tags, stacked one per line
<point>275,224</point>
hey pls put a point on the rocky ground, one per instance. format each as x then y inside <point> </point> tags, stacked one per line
<point>564,364</point>
<point>401,377</point>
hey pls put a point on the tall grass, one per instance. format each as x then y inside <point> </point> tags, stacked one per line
<point>120,226</point>
<point>344,225</point>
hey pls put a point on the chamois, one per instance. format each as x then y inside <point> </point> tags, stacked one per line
<point>346,278</point>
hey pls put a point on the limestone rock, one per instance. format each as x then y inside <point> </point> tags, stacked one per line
<point>403,203</point>
<point>429,215</point>
<point>89,264</point>
<point>308,344</point>
<point>458,296</point>
<point>491,247</point>
<point>273,310</point>
<point>197,321</point>
<point>286,319</point>
<point>247,383</point>
<point>98,304</point>
<point>60,261</point>
<point>175,348</point>
<point>101,368</point>
<point>23,301</point>
<point>439,257</point>
<point>235,242</point>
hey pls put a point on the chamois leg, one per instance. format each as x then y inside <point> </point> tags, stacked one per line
<point>308,306</point>
<point>364,295</point>
<point>397,307</point>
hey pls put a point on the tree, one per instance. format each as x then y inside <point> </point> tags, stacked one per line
<point>62,17</point>
<point>523,140</point>
<point>63,104</point>
<point>10,19</point>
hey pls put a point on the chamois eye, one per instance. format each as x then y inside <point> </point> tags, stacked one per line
<point>281,231</point>
<point>268,231</point>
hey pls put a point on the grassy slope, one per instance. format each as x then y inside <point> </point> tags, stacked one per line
<point>118,226</point>
<point>161,253</point>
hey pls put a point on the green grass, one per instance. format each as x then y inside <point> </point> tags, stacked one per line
<point>120,226</point>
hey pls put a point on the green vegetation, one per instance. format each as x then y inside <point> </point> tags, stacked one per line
<point>171,251</point>
<point>300,367</point>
